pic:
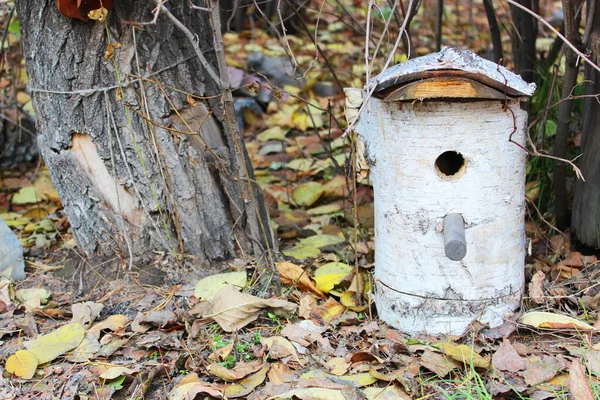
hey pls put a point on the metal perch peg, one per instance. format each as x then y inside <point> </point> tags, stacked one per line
<point>455,244</point>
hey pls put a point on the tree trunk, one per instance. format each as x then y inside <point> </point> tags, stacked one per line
<point>586,204</point>
<point>524,39</point>
<point>140,161</point>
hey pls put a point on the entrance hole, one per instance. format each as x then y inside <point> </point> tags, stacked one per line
<point>450,164</point>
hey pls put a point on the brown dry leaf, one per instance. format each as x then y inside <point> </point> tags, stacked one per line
<point>246,385</point>
<point>115,372</point>
<point>437,363</point>
<point>536,288</point>
<point>292,274</point>
<point>540,369</point>
<point>112,323</point>
<point>365,356</point>
<point>506,358</point>
<point>190,385</point>
<point>466,355</point>
<point>579,382</point>
<point>592,361</point>
<point>574,260</point>
<point>338,366</point>
<point>307,303</point>
<point>279,374</point>
<point>306,332</point>
<point>85,313</point>
<point>160,317</point>
<point>241,370</point>
<point>233,310</point>
<point>313,394</point>
<point>392,392</point>
<point>279,347</point>
<point>222,353</point>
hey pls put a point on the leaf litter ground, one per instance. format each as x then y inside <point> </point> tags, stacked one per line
<point>136,336</point>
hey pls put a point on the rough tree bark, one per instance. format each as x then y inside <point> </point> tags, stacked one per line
<point>140,160</point>
<point>565,109</point>
<point>585,219</point>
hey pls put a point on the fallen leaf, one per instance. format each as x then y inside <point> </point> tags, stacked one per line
<point>292,274</point>
<point>246,385</point>
<point>233,310</point>
<point>307,194</point>
<point>115,372</point>
<point>207,288</point>
<point>506,358</point>
<point>240,371</point>
<point>579,382</point>
<point>279,374</point>
<point>326,209</point>
<point>188,391</point>
<point>465,354</point>
<point>47,347</point>
<point>540,369</point>
<point>279,347</point>
<point>85,313</point>
<point>26,195</point>
<point>338,366</point>
<point>112,323</point>
<point>437,363</point>
<point>356,380</point>
<point>311,394</point>
<point>330,275</point>
<point>273,133</point>
<point>23,364</point>
<point>33,296</point>
<point>350,300</point>
<point>88,347</point>
<point>536,288</point>
<point>542,319</point>
<point>391,392</point>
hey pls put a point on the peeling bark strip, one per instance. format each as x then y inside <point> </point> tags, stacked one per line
<point>127,172</point>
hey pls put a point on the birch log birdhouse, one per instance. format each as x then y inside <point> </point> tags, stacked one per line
<point>442,136</point>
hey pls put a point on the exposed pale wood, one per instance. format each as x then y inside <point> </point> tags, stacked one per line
<point>446,87</point>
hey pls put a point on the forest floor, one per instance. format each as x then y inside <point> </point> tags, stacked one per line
<point>134,336</point>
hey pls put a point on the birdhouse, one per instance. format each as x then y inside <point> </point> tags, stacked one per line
<point>444,139</point>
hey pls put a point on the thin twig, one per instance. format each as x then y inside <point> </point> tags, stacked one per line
<point>549,26</point>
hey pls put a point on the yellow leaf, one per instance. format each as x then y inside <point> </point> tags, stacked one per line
<point>350,299</point>
<point>541,319</point>
<point>23,364</point>
<point>307,194</point>
<point>98,14</point>
<point>207,287</point>
<point>331,274</point>
<point>46,348</point>
<point>361,379</point>
<point>465,354</point>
